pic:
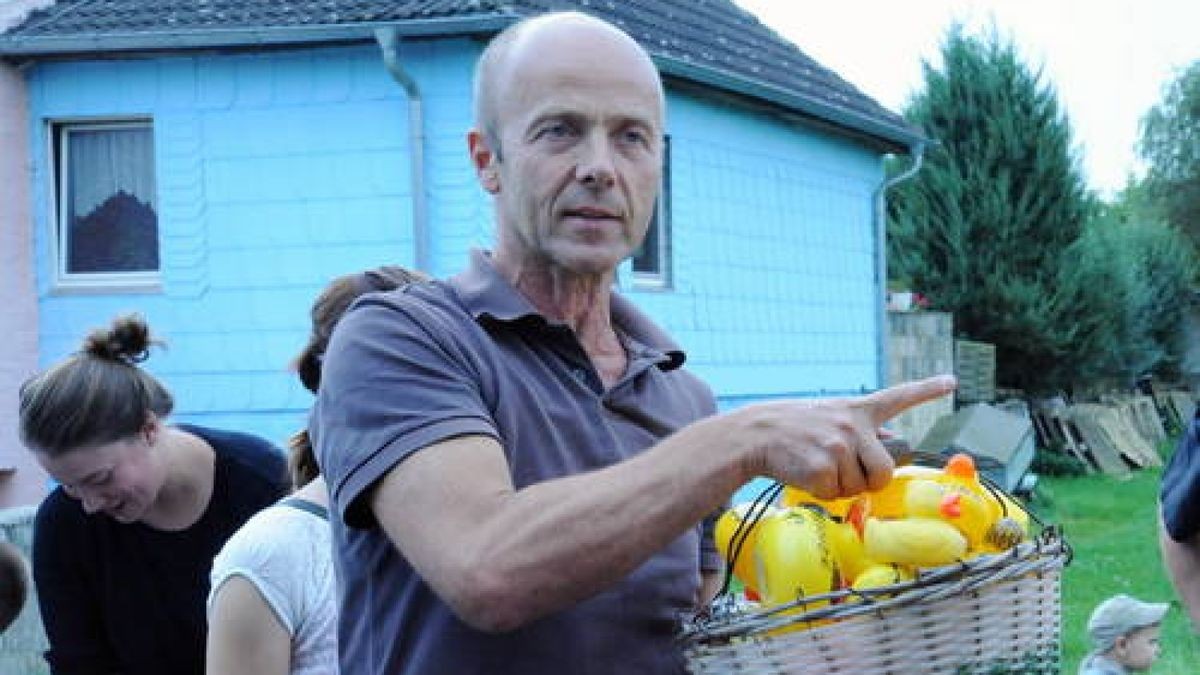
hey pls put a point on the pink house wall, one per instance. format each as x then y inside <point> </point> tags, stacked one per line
<point>21,480</point>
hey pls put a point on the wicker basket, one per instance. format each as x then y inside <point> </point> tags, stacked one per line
<point>992,614</point>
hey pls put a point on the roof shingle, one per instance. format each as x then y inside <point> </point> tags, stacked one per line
<point>711,41</point>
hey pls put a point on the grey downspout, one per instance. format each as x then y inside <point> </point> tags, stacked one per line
<point>389,43</point>
<point>884,356</point>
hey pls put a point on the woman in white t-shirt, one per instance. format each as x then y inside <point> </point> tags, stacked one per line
<point>273,605</point>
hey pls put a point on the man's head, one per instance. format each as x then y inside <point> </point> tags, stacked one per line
<point>1127,630</point>
<point>568,139</point>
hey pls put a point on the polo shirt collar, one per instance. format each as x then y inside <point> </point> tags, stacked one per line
<point>488,295</point>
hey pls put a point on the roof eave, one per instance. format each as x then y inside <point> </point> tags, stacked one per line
<point>894,137</point>
<point>157,40</point>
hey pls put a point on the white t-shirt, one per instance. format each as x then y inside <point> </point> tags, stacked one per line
<point>285,552</point>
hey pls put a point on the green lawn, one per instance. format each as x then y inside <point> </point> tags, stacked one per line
<point>1112,527</point>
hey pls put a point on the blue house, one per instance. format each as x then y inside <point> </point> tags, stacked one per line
<point>213,164</point>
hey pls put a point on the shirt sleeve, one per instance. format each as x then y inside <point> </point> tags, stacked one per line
<point>1180,489</point>
<point>394,381</point>
<point>66,598</point>
<point>267,552</point>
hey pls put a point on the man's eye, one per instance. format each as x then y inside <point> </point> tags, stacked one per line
<point>101,479</point>
<point>555,131</point>
<point>634,136</point>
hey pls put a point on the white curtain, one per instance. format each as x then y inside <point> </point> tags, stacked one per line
<point>104,161</point>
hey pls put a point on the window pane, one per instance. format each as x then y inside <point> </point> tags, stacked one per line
<point>646,258</point>
<point>112,215</point>
<point>651,259</point>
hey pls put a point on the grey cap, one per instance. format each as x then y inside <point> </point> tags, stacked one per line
<point>1119,615</point>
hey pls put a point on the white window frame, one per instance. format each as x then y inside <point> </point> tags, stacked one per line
<point>660,278</point>
<point>58,132</point>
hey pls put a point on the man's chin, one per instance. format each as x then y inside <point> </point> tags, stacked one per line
<point>592,259</point>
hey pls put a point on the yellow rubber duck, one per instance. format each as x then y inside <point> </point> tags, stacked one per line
<point>920,542</point>
<point>727,524</point>
<point>888,501</point>
<point>793,557</point>
<point>794,496</point>
<point>925,498</point>
<point>879,575</point>
<point>1004,528</point>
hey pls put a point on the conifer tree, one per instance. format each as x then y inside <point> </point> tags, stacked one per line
<point>983,227</point>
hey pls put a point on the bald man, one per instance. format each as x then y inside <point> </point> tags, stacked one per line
<point>520,465</point>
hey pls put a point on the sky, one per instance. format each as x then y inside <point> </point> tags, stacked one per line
<point>1108,60</point>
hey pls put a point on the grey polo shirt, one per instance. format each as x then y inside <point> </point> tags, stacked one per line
<point>410,368</point>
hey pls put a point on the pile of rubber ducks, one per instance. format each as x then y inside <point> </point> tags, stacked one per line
<point>925,517</point>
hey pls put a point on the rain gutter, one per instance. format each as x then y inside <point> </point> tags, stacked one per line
<point>389,40</point>
<point>883,356</point>
<point>897,137</point>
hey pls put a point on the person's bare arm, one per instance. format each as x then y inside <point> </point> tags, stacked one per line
<point>502,557</point>
<point>245,637</point>
<point>1182,560</point>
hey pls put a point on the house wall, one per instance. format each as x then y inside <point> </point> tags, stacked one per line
<point>21,479</point>
<point>279,170</point>
<point>276,172</point>
<point>773,235</point>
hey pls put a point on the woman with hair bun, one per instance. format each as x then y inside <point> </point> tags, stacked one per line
<point>123,546</point>
<point>273,605</point>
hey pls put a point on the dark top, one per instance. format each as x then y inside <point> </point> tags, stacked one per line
<point>129,599</point>
<point>410,368</point>
<point>1180,492</point>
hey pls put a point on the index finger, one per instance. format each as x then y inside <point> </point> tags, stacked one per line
<point>885,404</point>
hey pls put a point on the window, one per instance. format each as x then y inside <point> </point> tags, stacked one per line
<point>651,262</point>
<point>107,208</point>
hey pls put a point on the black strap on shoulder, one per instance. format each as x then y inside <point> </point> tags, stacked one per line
<point>305,505</point>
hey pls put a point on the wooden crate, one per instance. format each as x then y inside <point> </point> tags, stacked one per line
<point>975,367</point>
<point>1053,423</point>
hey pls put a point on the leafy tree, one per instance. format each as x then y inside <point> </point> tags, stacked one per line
<point>1170,143</point>
<point>1122,299</point>
<point>985,225</point>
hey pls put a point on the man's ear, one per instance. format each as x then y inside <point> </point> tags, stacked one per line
<point>484,158</point>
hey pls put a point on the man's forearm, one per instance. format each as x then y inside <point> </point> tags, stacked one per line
<point>1182,560</point>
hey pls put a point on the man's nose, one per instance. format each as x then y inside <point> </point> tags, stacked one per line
<point>595,168</point>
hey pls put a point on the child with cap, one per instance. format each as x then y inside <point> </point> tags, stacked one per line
<point>1124,633</point>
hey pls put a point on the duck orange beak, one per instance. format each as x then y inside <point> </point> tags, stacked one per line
<point>951,505</point>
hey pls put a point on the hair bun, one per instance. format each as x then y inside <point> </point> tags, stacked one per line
<point>127,340</point>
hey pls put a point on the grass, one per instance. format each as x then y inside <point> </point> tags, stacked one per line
<point>1112,526</point>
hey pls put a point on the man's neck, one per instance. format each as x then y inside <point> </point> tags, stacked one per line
<point>582,302</point>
